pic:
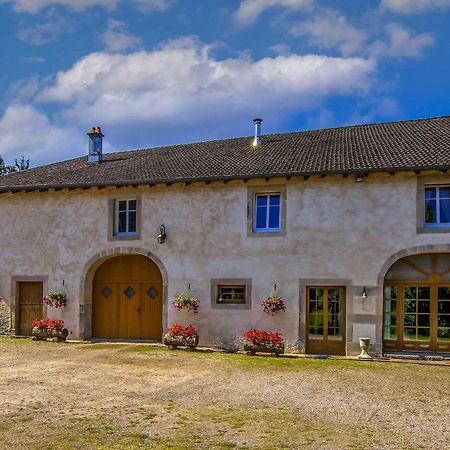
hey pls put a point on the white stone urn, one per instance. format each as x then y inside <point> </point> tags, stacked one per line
<point>364,345</point>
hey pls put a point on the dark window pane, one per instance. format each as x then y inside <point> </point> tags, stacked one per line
<point>390,333</point>
<point>423,334</point>
<point>122,225</point>
<point>312,293</point>
<point>443,321</point>
<point>410,293</point>
<point>261,217</point>
<point>261,200</point>
<point>430,211</point>
<point>424,320</point>
<point>410,320</point>
<point>443,334</point>
<point>132,204</point>
<point>444,293</point>
<point>132,222</point>
<point>410,306</point>
<point>274,200</point>
<point>409,334</point>
<point>274,217</point>
<point>430,193</point>
<point>444,192</point>
<point>423,293</point>
<point>424,307</point>
<point>444,210</point>
<point>122,205</point>
<point>444,307</point>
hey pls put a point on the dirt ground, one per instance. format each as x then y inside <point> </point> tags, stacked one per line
<point>102,396</point>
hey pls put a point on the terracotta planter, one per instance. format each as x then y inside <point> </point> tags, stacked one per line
<point>51,335</point>
<point>252,348</point>
<point>180,341</point>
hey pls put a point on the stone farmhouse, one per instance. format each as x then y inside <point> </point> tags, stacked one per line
<point>352,225</point>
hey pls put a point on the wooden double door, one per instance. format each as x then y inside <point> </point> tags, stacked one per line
<point>127,299</point>
<point>325,320</point>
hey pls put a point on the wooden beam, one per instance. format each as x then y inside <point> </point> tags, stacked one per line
<point>392,173</point>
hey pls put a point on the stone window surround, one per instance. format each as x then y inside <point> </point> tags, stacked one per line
<point>422,181</point>
<point>247,282</point>
<point>266,189</point>
<point>112,199</point>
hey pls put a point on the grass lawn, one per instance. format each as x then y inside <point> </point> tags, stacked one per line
<point>127,396</point>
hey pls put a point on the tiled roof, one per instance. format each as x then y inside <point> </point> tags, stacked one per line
<point>395,146</point>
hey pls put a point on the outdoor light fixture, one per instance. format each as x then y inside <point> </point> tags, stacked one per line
<point>359,178</point>
<point>364,294</point>
<point>162,234</point>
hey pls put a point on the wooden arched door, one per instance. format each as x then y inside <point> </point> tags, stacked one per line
<point>127,299</point>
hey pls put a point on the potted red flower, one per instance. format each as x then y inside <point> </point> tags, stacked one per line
<point>274,303</point>
<point>263,342</point>
<point>179,336</point>
<point>49,330</point>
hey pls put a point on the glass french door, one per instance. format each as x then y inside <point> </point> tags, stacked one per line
<point>326,320</point>
<point>417,317</point>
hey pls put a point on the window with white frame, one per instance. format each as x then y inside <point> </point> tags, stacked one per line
<point>437,206</point>
<point>267,212</point>
<point>125,219</point>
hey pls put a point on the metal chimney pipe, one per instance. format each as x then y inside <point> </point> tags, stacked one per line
<point>257,140</point>
<point>95,154</point>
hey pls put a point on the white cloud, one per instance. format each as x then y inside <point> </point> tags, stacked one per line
<point>34,6</point>
<point>116,38</point>
<point>329,29</point>
<point>26,131</point>
<point>401,43</point>
<point>152,5</point>
<point>46,32</point>
<point>182,91</point>
<point>250,10</point>
<point>413,6</point>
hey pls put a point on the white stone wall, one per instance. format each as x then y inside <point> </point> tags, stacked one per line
<point>337,229</point>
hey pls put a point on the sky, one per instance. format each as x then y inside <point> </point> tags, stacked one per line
<point>162,72</point>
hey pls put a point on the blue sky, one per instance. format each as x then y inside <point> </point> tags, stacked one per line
<point>157,72</point>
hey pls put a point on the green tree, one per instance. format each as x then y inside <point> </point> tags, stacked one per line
<point>22,164</point>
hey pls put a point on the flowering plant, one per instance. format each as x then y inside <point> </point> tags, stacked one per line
<point>267,338</point>
<point>55,299</point>
<point>271,305</point>
<point>48,324</point>
<point>179,330</point>
<point>186,301</point>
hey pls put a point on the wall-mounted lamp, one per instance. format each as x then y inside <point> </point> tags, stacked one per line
<point>364,294</point>
<point>162,234</point>
<point>359,178</point>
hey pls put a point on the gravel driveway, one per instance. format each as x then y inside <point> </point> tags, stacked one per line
<point>64,396</point>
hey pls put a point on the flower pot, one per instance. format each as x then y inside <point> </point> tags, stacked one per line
<point>251,348</point>
<point>174,341</point>
<point>364,344</point>
<point>39,334</point>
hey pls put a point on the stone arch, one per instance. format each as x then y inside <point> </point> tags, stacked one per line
<point>89,269</point>
<point>421,249</point>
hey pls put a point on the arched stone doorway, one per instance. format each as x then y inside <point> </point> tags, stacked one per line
<point>416,304</point>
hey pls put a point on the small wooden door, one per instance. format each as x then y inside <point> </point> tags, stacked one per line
<point>30,305</point>
<point>326,320</point>
<point>127,299</point>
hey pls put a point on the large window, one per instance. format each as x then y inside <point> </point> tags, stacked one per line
<point>125,219</point>
<point>437,206</point>
<point>267,214</point>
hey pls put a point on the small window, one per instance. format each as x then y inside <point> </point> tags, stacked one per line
<point>231,294</point>
<point>125,220</point>
<point>267,213</point>
<point>437,206</point>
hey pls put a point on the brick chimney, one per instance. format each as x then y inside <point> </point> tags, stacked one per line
<point>95,155</point>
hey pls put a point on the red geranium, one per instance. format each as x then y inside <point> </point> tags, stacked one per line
<point>179,330</point>
<point>48,324</point>
<point>259,337</point>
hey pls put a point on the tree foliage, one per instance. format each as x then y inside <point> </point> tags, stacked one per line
<point>22,164</point>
